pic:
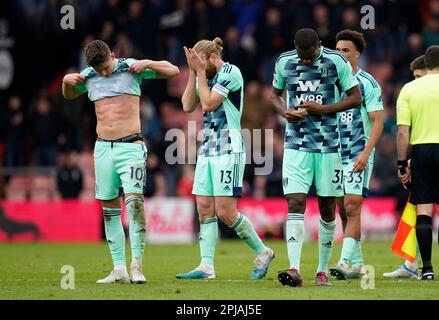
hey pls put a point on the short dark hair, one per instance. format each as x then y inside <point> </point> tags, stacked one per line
<point>356,37</point>
<point>432,57</point>
<point>96,53</point>
<point>305,39</point>
<point>418,63</point>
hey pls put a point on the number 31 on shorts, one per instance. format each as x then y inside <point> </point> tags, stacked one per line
<point>338,176</point>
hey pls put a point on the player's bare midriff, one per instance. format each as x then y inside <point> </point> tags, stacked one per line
<point>117,117</point>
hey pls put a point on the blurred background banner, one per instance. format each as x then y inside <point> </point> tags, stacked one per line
<point>268,216</point>
<point>47,142</point>
<point>171,220</point>
<point>68,220</point>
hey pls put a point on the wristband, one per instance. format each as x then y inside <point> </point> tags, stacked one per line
<point>402,163</point>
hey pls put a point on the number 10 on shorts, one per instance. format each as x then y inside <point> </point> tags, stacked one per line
<point>136,173</point>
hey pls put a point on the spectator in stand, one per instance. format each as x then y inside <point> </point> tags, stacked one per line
<point>111,12</point>
<point>71,115</point>
<point>415,48</point>
<point>135,22</point>
<point>219,18</point>
<point>69,177</point>
<point>184,186</point>
<point>107,33</point>
<point>202,18</point>
<point>350,19</point>
<point>234,51</point>
<point>271,38</point>
<point>45,133</point>
<point>430,32</point>
<point>255,111</point>
<point>270,185</point>
<point>13,132</point>
<point>155,185</point>
<point>124,47</point>
<point>322,25</point>
<point>180,24</point>
<point>385,182</point>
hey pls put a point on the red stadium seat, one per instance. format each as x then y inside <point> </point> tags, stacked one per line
<point>40,195</point>
<point>20,182</point>
<point>43,182</point>
<point>18,188</point>
<point>15,194</point>
<point>42,188</point>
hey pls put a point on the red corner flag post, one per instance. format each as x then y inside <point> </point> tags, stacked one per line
<point>404,243</point>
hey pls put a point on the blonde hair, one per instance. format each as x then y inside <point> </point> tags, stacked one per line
<point>208,47</point>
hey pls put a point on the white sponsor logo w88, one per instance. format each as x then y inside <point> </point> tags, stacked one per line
<point>310,97</point>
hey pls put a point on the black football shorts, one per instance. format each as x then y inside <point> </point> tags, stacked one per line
<point>425,173</point>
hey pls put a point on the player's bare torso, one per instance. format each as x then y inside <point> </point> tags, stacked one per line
<point>117,117</point>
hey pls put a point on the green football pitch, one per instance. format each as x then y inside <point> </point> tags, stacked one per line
<point>33,271</point>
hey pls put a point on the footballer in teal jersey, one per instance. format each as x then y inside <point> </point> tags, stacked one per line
<point>314,78</point>
<point>360,129</point>
<point>219,87</point>
<point>120,154</point>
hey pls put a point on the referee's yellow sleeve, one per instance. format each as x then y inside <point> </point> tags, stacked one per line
<point>403,115</point>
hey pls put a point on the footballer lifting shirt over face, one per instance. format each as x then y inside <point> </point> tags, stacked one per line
<point>120,154</point>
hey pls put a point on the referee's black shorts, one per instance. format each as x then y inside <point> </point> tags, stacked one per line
<point>425,173</point>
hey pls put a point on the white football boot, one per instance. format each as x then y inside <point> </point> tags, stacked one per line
<point>118,275</point>
<point>137,272</point>
<point>401,272</point>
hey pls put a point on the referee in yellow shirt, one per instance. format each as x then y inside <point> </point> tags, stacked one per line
<point>418,125</point>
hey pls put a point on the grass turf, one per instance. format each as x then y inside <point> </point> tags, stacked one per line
<point>32,271</point>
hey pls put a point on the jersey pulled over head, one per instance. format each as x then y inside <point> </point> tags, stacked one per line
<point>107,76</point>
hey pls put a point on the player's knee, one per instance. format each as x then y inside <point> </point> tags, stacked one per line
<point>228,219</point>
<point>327,207</point>
<point>296,205</point>
<point>114,203</point>
<point>342,213</point>
<point>205,209</point>
<point>343,218</point>
<point>327,212</point>
<point>352,209</point>
<point>135,206</point>
<point>225,212</point>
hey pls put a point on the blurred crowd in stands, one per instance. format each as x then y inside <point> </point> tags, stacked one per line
<point>41,129</point>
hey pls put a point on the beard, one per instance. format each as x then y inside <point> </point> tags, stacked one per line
<point>210,71</point>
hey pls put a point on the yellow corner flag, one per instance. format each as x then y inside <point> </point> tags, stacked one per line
<point>404,243</point>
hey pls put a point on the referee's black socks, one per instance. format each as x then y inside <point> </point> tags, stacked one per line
<point>424,236</point>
